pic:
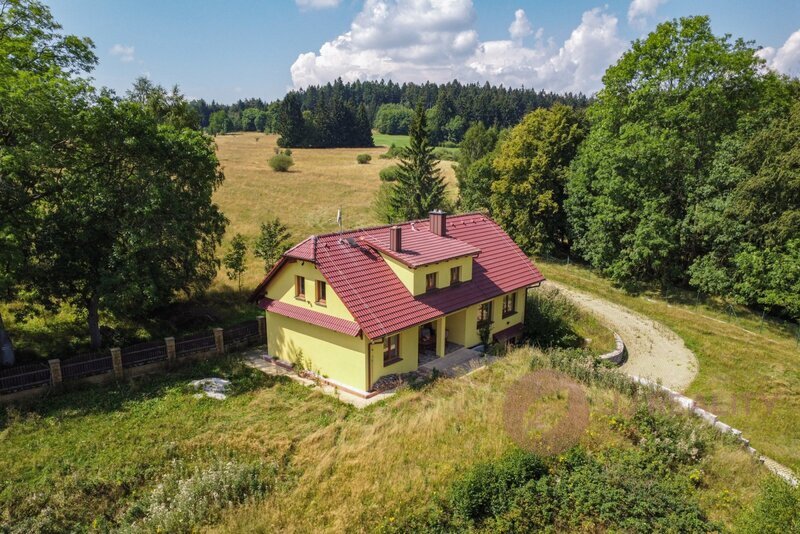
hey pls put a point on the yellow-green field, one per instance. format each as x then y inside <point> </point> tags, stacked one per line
<point>306,198</point>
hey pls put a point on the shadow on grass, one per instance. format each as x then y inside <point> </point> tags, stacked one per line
<point>87,399</point>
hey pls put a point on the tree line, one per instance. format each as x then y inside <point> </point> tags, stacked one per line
<point>683,172</point>
<point>388,106</point>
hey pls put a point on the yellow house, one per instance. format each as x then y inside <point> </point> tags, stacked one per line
<point>355,306</point>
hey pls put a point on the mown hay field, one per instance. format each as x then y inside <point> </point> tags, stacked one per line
<point>306,198</point>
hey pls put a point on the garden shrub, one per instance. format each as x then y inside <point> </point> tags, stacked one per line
<point>363,159</point>
<point>390,173</point>
<point>281,162</point>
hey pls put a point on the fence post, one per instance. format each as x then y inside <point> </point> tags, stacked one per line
<point>219,341</point>
<point>55,373</point>
<point>262,328</point>
<point>116,359</point>
<point>170,343</point>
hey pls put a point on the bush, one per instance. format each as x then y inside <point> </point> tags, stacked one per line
<point>363,158</point>
<point>487,488</point>
<point>288,151</point>
<point>390,173</point>
<point>186,499</point>
<point>281,162</point>
<point>446,154</point>
<point>392,153</point>
<point>777,509</point>
<point>382,204</point>
<point>549,317</point>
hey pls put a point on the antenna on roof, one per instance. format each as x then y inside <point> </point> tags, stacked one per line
<point>339,221</point>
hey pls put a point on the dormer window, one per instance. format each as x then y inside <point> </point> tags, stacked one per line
<point>455,275</point>
<point>430,281</point>
<point>299,287</point>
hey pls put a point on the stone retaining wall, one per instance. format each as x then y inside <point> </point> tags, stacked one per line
<point>690,405</point>
<point>617,356</point>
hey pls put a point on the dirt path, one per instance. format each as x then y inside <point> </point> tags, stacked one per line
<point>654,351</point>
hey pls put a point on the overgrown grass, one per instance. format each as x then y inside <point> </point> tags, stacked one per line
<point>98,455</point>
<point>749,371</point>
<point>277,456</point>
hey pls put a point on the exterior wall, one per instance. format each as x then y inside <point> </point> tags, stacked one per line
<point>499,323</point>
<point>409,352</point>
<point>414,279</point>
<point>456,327</point>
<point>328,353</point>
<point>281,288</point>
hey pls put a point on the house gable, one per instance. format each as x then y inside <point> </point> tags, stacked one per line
<point>281,287</point>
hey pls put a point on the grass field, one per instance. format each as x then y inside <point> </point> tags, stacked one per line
<point>305,199</point>
<point>99,458</point>
<point>387,140</point>
<point>749,371</point>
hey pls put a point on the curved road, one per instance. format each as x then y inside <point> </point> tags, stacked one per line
<point>654,351</point>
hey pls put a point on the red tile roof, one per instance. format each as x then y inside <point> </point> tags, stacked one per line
<point>310,316</point>
<point>304,250</point>
<point>421,247</point>
<point>379,301</point>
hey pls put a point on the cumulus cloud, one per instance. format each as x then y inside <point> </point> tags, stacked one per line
<point>640,10</point>
<point>123,52</point>
<point>435,40</point>
<point>785,59</point>
<point>521,27</point>
<point>316,4</point>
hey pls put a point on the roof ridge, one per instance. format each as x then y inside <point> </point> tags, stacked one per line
<point>389,225</point>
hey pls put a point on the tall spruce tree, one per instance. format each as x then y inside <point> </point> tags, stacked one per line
<point>420,187</point>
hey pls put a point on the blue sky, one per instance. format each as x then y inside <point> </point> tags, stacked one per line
<point>236,49</point>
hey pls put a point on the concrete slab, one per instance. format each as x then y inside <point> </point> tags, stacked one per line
<point>457,363</point>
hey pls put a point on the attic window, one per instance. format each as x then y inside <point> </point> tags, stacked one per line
<point>455,275</point>
<point>299,287</point>
<point>322,288</point>
<point>430,281</point>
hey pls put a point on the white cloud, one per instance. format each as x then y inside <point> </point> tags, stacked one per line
<point>123,52</point>
<point>521,27</point>
<point>785,59</point>
<point>316,4</point>
<point>435,40</point>
<point>640,10</point>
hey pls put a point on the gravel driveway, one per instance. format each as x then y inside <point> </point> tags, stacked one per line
<point>654,351</point>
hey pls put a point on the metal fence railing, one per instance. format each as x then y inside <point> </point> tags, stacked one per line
<point>24,377</point>
<point>32,375</point>
<point>193,344</point>
<point>86,365</point>
<point>144,353</point>
<point>241,333</point>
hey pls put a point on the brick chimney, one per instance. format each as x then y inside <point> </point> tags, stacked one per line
<point>438,222</point>
<point>395,239</point>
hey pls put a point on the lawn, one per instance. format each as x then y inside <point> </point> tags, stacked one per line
<point>98,458</point>
<point>749,370</point>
